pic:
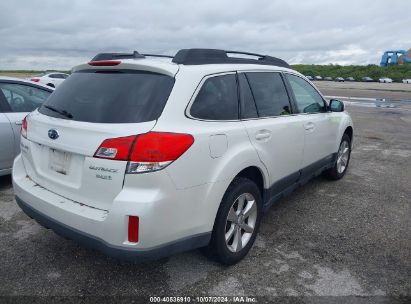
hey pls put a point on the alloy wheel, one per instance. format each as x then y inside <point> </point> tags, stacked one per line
<point>343,156</point>
<point>240,223</point>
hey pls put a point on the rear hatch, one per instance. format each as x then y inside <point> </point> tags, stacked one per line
<point>89,107</point>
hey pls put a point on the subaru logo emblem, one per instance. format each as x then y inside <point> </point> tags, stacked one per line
<point>53,134</point>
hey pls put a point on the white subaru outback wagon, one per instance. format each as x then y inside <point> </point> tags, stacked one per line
<point>141,157</point>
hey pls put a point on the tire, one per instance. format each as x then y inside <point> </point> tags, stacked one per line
<point>343,159</point>
<point>229,223</point>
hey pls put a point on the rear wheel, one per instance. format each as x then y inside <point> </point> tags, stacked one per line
<point>343,159</point>
<point>237,222</point>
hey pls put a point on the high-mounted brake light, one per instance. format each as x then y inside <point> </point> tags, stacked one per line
<point>147,152</point>
<point>104,62</point>
<point>23,130</point>
<point>35,79</point>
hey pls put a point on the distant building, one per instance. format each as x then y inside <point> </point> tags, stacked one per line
<point>401,60</point>
<point>394,57</point>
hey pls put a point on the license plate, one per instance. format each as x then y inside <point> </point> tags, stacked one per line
<point>59,161</point>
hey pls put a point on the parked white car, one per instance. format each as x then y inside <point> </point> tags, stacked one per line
<point>18,97</point>
<point>406,80</point>
<point>51,79</point>
<point>169,156</point>
<point>385,80</point>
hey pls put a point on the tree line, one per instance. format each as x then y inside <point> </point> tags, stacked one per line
<point>396,73</point>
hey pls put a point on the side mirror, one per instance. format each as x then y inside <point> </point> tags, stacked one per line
<point>336,105</point>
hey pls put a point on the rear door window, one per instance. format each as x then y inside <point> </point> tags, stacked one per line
<point>269,93</point>
<point>110,96</point>
<point>217,99</point>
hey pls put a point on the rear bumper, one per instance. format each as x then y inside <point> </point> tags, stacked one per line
<point>171,220</point>
<point>130,254</point>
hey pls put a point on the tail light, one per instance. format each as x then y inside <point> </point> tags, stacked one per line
<point>147,152</point>
<point>115,148</point>
<point>35,79</point>
<point>23,130</point>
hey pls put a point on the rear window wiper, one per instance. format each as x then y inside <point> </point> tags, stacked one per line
<point>61,112</point>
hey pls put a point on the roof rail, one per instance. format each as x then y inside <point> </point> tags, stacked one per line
<point>155,55</point>
<point>113,56</point>
<point>210,56</point>
<point>200,56</point>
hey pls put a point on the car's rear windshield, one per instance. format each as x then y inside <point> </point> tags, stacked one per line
<point>110,96</point>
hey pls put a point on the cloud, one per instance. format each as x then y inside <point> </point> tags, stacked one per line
<point>58,34</point>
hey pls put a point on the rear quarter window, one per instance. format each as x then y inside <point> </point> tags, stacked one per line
<point>217,99</point>
<point>110,96</point>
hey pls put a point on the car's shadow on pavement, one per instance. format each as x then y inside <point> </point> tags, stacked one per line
<point>5,182</point>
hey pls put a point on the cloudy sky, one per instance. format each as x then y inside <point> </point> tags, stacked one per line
<point>58,34</point>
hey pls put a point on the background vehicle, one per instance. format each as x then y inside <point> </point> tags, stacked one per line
<point>318,78</point>
<point>350,79</point>
<point>119,150</point>
<point>17,98</point>
<point>406,80</point>
<point>51,79</point>
<point>309,77</point>
<point>328,78</point>
<point>339,79</point>
<point>367,79</point>
<point>385,80</point>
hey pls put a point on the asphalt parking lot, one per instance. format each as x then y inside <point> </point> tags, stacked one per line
<point>396,91</point>
<point>346,238</point>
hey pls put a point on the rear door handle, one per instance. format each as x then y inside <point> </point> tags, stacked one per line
<point>19,123</point>
<point>263,135</point>
<point>309,126</point>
